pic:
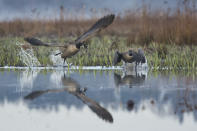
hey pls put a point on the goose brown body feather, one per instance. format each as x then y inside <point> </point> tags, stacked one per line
<point>126,57</point>
<point>69,51</point>
<point>130,56</point>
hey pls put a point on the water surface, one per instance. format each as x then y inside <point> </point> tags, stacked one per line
<point>113,100</point>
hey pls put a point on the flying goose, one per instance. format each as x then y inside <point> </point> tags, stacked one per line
<point>68,50</point>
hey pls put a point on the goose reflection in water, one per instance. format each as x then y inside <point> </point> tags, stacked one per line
<point>72,87</point>
<point>128,80</point>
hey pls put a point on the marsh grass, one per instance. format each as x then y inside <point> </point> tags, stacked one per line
<point>168,37</point>
<point>100,52</point>
<point>142,26</point>
<point>9,53</point>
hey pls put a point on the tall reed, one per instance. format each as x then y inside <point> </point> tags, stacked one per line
<point>142,26</point>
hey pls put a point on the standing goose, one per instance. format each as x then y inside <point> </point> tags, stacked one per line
<point>129,57</point>
<point>71,49</point>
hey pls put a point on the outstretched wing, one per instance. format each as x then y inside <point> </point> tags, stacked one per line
<point>117,79</point>
<point>117,58</point>
<point>95,107</point>
<point>99,25</point>
<point>36,94</point>
<point>36,42</point>
<point>141,56</point>
<point>140,51</point>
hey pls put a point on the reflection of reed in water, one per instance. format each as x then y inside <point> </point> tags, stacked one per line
<point>185,103</point>
<point>27,78</point>
<point>55,78</point>
<point>72,87</point>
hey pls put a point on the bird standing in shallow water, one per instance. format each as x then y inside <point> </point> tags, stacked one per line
<point>73,48</point>
<point>129,57</point>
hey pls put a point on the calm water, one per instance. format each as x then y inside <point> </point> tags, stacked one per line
<point>55,100</point>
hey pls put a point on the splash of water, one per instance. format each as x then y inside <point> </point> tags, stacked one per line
<point>130,68</point>
<point>57,60</point>
<point>27,56</point>
<point>27,79</point>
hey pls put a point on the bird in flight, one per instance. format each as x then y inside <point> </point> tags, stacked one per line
<point>70,49</point>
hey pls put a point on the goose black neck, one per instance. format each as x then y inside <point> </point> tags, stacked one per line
<point>78,45</point>
<point>119,56</point>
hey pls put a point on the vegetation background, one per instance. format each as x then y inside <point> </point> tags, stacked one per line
<point>168,36</point>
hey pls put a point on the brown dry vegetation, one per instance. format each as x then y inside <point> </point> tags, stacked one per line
<point>141,27</point>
